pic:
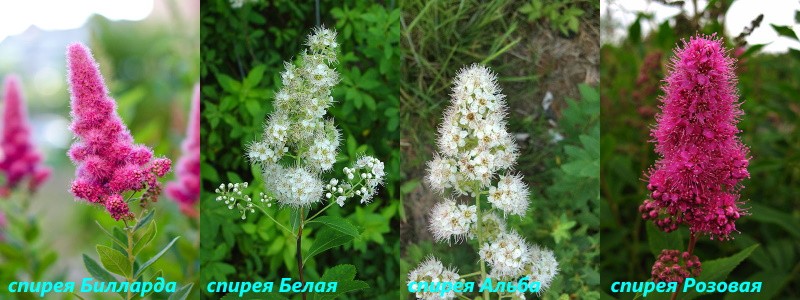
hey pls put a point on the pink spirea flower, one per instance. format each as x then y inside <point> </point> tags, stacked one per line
<point>697,179</point>
<point>21,161</point>
<point>108,163</point>
<point>185,189</point>
<point>675,266</point>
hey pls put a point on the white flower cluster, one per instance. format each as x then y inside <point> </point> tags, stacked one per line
<point>296,186</point>
<point>507,255</point>
<point>510,195</point>
<point>473,141</point>
<point>451,221</point>
<point>297,126</point>
<point>474,148</point>
<point>231,194</point>
<point>430,271</point>
<point>361,180</point>
<point>543,267</point>
<point>299,145</point>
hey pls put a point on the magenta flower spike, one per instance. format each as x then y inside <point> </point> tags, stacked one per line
<point>20,160</point>
<point>108,163</point>
<point>697,180</point>
<point>185,189</point>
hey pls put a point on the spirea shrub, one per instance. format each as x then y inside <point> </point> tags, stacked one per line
<point>114,172</point>
<point>298,150</point>
<point>696,180</point>
<point>185,189</point>
<point>476,159</point>
<point>20,162</point>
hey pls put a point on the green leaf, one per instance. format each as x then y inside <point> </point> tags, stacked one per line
<point>116,240</point>
<point>327,239</point>
<point>182,292</point>
<point>785,31</point>
<point>338,224</point>
<point>255,76</point>
<point>152,280</point>
<point>96,270</point>
<point>114,261</point>
<point>146,219</point>
<point>659,240</point>
<point>229,84</point>
<point>155,258</point>
<point>344,276</point>
<point>146,238</point>
<point>717,270</point>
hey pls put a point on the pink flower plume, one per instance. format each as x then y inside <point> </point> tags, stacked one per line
<point>20,158</point>
<point>108,163</point>
<point>697,179</point>
<point>186,188</point>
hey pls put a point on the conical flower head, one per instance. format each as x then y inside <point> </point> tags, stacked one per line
<point>108,163</point>
<point>473,141</point>
<point>186,188</point>
<point>297,126</point>
<point>20,160</point>
<point>696,180</point>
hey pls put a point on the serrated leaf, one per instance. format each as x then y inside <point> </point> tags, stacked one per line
<point>327,239</point>
<point>717,270</point>
<point>155,258</point>
<point>96,270</point>
<point>344,276</point>
<point>338,224</point>
<point>114,261</point>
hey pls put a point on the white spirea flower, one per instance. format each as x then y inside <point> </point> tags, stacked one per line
<point>294,187</point>
<point>507,255</point>
<point>432,271</point>
<point>473,138</point>
<point>372,171</point>
<point>452,222</point>
<point>542,267</point>
<point>492,225</point>
<point>510,195</point>
<point>442,173</point>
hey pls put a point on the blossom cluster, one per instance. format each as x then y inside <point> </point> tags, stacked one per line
<point>476,155</point>
<point>20,160</point>
<point>299,145</point>
<point>697,178</point>
<point>432,270</point>
<point>108,163</point>
<point>186,188</point>
<point>473,141</point>
<point>675,266</point>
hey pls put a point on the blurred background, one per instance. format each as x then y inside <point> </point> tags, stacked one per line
<point>546,56</point>
<point>245,43</point>
<point>638,38</point>
<point>148,52</point>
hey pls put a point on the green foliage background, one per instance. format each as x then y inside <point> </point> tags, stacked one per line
<point>243,52</point>
<point>768,236</point>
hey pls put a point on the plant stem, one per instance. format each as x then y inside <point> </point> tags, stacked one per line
<point>131,258</point>
<point>300,248</point>
<point>470,274</point>
<point>320,211</point>
<point>480,241</point>
<point>276,221</point>
<point>692,242</point>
